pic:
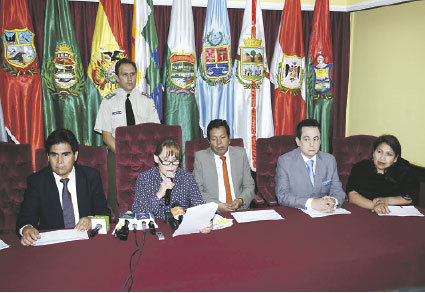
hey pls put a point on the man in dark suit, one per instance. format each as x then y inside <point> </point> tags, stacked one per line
<point>62,195</point>
<point>307,178</point>
<point>222,171</point>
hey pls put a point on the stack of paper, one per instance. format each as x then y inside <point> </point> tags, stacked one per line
<point>60,236</point>
<point>317,214</point>
<point>403,211</point>
<point>221,223</point>
<point>261,215</point>
<point>3,245</point>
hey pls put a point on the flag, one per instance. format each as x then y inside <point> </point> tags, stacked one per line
<point>20,82</point>
<point>253,112</point>
<point>214,82</point>
<point>107,48</point>
<point>3,134</point>
<point>288,71</point>
<point>145,52</point>
<point>179,72</point>
<point>64,103</point>
<point>319,102</point>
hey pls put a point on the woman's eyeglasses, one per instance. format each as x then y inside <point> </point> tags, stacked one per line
<point>168,163</point>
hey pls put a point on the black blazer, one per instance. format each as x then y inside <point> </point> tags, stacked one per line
<point>41,206</point>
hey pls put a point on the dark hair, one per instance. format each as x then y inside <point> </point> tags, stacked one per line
<point>390,140</point>
<point>123,61</point>
<point>173,148</point>
<point>306,123</point>
<point>217,123</point>
<point>61,136</point>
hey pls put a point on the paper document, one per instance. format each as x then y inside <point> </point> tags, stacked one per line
<point>317,214</point>
<point>252,216</point>
<point>196,218</point>
<point>3,245</point>
<point>60,236</point>
<point>403,211</point>
<point>220,223</point>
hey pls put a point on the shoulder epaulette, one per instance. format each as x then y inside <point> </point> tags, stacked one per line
<point>111,95</point>
<point>146,95</point>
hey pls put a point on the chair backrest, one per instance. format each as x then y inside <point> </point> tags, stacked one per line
<point>268,152</point>
<point>350,150</point>
<point>134,149</point>
<point>192,146</point>
<point>15,167</point>
<point>91,156</point>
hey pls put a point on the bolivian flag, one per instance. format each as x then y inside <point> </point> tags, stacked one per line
<point>107,48</point>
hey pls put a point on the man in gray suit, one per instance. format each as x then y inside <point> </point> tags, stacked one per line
<point>306,177</point>
<point>222,171</point>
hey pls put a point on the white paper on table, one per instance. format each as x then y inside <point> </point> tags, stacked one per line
<point>220,223</point>
<point>317,214</point>
<point>403,211</point>
<point>60,236</point>
<point>3,245</point>
<point>196,218</point>
<point>252,216</point>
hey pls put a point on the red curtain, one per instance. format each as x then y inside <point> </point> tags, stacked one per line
<point>84,16</point>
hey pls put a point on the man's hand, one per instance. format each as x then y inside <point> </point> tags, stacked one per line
<point>83,224</point>
<point>230,207</point>
<point>324,204</point>
<point>29,235</point>
<point>380,206</point>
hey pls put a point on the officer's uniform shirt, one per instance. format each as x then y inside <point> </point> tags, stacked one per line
<point>112,110</point>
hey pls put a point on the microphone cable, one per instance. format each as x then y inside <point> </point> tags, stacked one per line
<point>138,249</point>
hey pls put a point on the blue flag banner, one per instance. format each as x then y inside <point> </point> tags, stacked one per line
<point>214,92</point>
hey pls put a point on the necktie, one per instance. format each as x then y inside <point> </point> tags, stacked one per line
<point>129,111</point>
<point>226,181</point>
<point>310,170</point>
<point>68,210</point>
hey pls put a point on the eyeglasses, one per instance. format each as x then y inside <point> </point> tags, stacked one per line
<point>168,163</point>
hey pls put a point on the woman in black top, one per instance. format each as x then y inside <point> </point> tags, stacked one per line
<point>386,179</point>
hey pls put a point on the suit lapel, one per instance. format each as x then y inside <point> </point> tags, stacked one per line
<point>53,193</point>
<point>319,171</point>
<point>213,173</point>
<point>79,186</point>
<point>234,165</point>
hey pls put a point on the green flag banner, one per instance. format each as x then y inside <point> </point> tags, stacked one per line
<point>319,101</point>
<point>64,104</point>
<point>179,73</point>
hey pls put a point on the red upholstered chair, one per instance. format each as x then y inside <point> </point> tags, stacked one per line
<point>40,159</point>
<point>268,152</point>
<point>135,147</point>
<point>91,156</point>
<point>350,150</point>
<point>15,167</point>
<point>192,146</point>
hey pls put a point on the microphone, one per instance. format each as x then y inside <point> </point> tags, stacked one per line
<point>169,219</point>
<point>168,191</point>
<point>95,230</point>
<point>123,232</point>
<point>152,228</point>
<point>103,221</point>
<point>177,211</point>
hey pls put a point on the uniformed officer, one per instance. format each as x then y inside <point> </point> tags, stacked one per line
<point>125,106</point>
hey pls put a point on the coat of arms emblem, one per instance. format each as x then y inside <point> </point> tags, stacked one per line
<point>182,69</point>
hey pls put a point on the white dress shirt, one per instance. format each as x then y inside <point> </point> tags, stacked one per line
<point>308,202</point>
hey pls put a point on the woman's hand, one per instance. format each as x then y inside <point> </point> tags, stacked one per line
<point>166,184</point>
<point>207,229</point>
<point>380,206</point>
